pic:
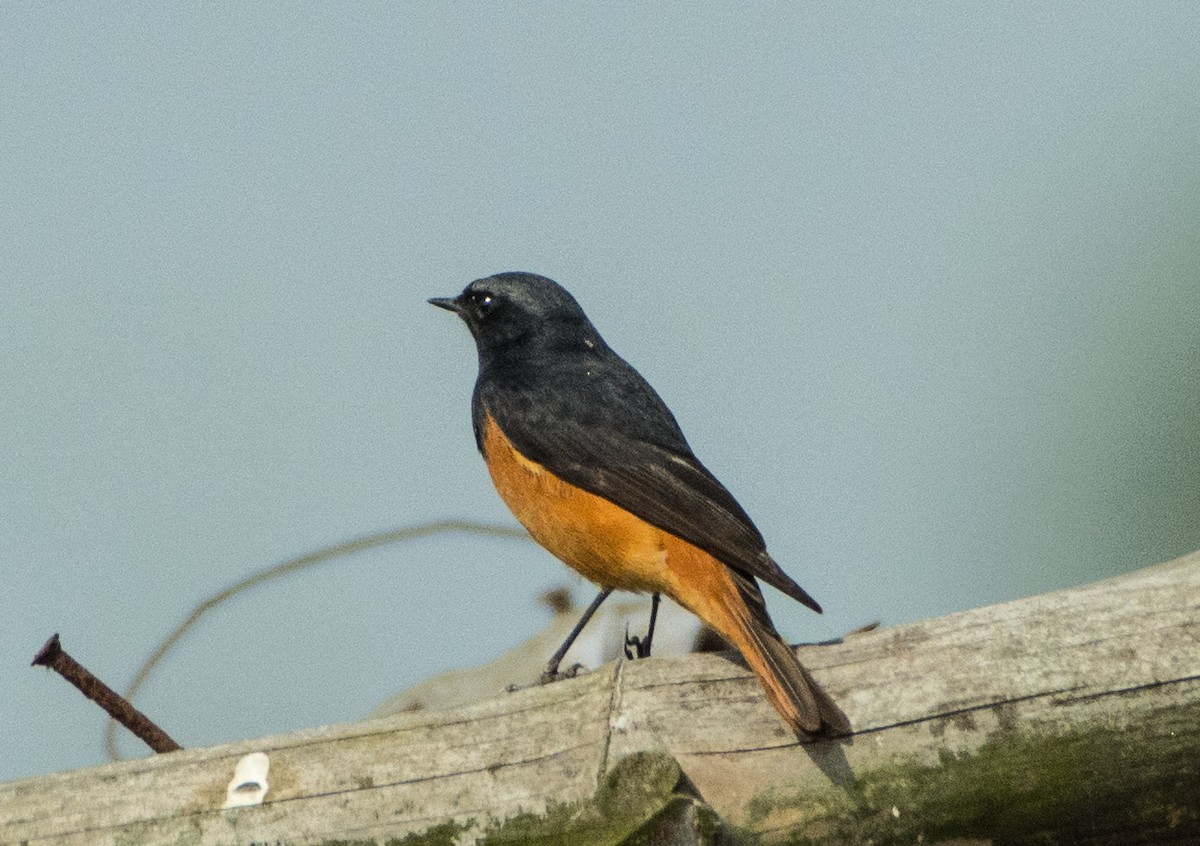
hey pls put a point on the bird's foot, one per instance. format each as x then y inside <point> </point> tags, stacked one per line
<point>549,676</point>
<point>636,647</point>
<point>553,674</point>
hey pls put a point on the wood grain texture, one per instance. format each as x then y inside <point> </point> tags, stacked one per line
<point>1069,717</point>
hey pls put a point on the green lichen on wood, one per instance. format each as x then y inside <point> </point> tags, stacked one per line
<point>1093,786</point>
<point>637,794</point>
<point>643,800</point>
<point>683,822</point>
<point>445,834</point>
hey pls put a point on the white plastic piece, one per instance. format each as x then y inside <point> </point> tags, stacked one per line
<point>249,785</point>
<point>621,724</point>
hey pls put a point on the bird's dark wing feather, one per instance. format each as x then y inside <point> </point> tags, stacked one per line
<point>626,447</point>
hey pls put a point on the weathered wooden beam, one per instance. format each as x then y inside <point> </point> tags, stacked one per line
<point>1072,717</point>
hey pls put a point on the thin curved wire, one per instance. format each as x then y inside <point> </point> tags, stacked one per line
<point>293,565</point>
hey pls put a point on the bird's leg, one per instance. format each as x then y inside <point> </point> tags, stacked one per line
<point>552,673</point>
<point>636,647</point>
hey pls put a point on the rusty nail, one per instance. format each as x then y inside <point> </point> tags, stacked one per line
<point>53,656</point>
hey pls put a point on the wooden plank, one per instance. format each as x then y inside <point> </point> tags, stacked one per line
<point>1034,721</point>
<point>356,779</point>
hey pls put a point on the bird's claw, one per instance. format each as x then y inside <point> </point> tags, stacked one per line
<point>553,674</point>
<point>636,647</point>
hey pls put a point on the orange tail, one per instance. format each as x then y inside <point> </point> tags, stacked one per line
<point>802,703</point>
<point>795,694</point>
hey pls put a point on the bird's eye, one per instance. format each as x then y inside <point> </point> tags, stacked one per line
<point>484,303</point>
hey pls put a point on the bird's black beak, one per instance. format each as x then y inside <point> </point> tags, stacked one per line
<point>448,303</point>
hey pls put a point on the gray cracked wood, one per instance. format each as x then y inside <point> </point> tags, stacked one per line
<point>1082,674</point>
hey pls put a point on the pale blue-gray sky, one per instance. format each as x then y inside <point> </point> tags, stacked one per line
<point>921,283</point>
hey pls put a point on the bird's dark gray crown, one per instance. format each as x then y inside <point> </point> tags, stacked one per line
<point>511,311</point>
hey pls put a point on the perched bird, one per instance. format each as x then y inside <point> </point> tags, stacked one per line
<point>591,461</point>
